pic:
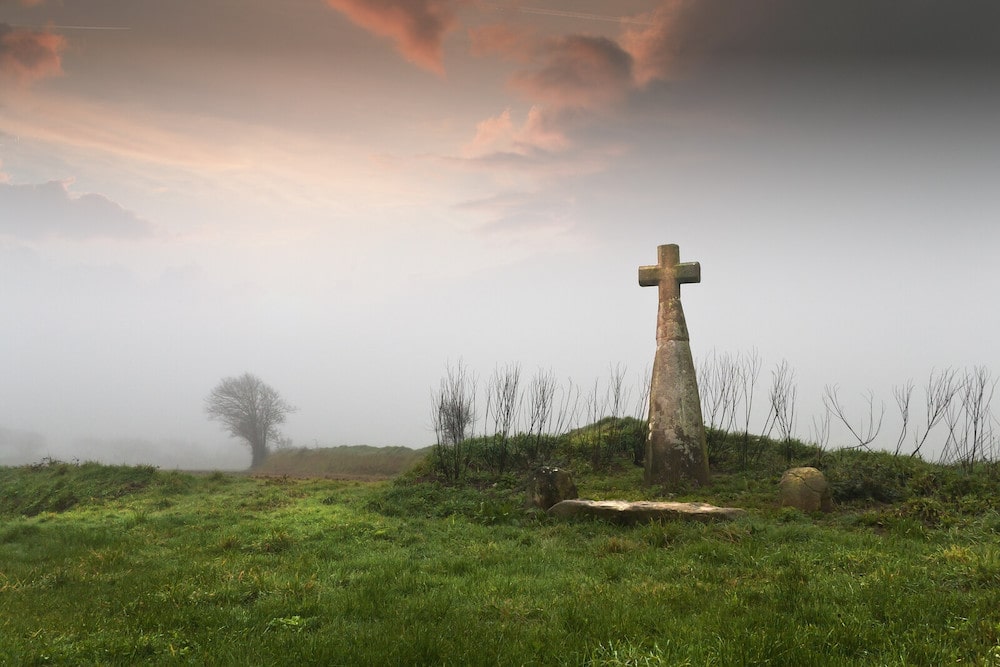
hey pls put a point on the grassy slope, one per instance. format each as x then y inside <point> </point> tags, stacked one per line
<point>166,568</point>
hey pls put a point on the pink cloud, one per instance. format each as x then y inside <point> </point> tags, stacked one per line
<point>499,134</point>
<point>502,40</point>
<point>571,77</point>
<point>28,55</point>
<point>653,46</point>
<point>416,26</point>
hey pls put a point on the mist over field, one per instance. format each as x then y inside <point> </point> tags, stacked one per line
<point>343,197</point>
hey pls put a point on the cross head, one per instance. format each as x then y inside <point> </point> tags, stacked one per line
<point>669,274</point>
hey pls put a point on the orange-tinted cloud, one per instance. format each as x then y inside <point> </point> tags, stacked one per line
<point>569,78</point>
<point>499,134</point>
<point>653,46</point>
<point>416,26</point>
<point>27,55</point>
<point>506,41</point>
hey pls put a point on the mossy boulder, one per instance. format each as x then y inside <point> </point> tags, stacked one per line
<point>805,489</point>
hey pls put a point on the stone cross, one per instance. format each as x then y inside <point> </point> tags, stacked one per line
<point>676,449</point>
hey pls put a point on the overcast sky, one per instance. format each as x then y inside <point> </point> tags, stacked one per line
<point>344,196</point>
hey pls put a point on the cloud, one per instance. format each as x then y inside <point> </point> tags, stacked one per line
<point>28,55</point>
<point>686,33</point>
<point>417,27</point>
<point>33,211</point>
<point>577,71</point>
<point>499,134</point>
<point>573,77</point>
<point>499,39</point>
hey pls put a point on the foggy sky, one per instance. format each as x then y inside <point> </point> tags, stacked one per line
<point>344,196</point>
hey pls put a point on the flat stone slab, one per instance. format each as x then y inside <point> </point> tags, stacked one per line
<point>643,511</point>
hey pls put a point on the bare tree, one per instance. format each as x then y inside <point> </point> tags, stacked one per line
<point>939,393</point>
<point>596,408</point>
<point>618,395</point>
<point>902,395</point>
<point>643,387</point>
<point>251,410</point>
<point>453,414</point>
<point>719,389</point>
<point>568,410</point>
<point>748,370</point>
<point>503,404</point>
<point>821,431</point>
<point>783,391</point>
<point>970,425</point>
<point>541,406</point>
<point>641,413</point>
<point>976,400</point>
<point>864,433</point>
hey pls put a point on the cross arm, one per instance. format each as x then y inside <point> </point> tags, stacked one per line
<point>689,272</point>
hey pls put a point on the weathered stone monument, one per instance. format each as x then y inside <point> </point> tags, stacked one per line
<point>676,449</point>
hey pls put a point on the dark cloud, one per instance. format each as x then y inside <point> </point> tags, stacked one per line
<point>816,31</point>
<point>30,54</point>
<point>577,71</point>
<point>32,211</point>
<point>416,26</point>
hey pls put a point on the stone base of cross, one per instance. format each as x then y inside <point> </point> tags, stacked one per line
<point>676,447</point>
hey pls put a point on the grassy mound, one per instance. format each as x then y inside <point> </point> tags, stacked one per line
<point>56,486</point>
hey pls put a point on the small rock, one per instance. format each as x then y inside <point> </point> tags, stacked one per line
<point>805,489</point>
<point>549,486</point>
<point>623,512</point>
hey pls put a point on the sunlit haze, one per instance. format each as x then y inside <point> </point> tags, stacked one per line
<point>342,197</point>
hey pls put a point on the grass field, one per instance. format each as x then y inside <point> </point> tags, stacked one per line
<point>124,566</point>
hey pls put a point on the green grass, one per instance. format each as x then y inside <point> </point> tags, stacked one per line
<point>165,568</point>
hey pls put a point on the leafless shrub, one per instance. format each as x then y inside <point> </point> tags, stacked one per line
<point>541,411</point>
<point>597,403</point>
<point>641,412</point>
<point>718,378</point>
<point>718,388</point>
<point>864,432</point>
<point>821,431</point>
<point>748,370</point>
<point>783,392</point>
<point>902,395</point>
<point>567,411</point>
<point>971,436</point>
<point>640,408</point>
<point>939,393</point>
<point>453,415</point>
<point>503,404</point>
